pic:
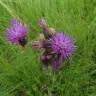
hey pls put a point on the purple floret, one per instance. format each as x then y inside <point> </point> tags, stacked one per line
<point>16,32</point>
<point>62,44</point>
<point>44,26</point>
<point>55,47</point>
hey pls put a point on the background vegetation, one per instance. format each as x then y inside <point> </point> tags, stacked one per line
<point>20,70</point>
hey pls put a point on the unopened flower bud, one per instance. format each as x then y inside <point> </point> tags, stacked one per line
<point>51,31</point>
<point>41,37</point>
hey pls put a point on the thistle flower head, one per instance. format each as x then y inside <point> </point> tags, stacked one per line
<point>62,44</point>
<point>54,46</point>
<point>44,26</point>
<point>16,33</point>
<point>42,23</point>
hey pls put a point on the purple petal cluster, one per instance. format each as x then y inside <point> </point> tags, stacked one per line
<point>42,23</point>
<point>62,44</point>
<point>16,33</point>
<point>55,46</point>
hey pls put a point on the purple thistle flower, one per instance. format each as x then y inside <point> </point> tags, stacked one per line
<point>44,26</point>
<point>42,22</point>
<point>56,64</point>
<point>54,47</point>
<point>44,59</point>
<point>16,33</point>
<point>62,45</point>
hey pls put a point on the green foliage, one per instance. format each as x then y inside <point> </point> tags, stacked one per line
<point>21,73</point>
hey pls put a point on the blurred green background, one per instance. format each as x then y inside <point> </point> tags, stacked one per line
<point>20,70</point>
